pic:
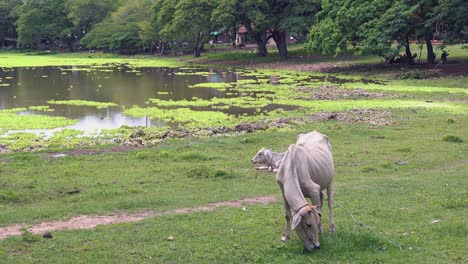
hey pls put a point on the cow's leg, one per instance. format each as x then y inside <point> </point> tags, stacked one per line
<point>332,227</point>
<point>287,228</point>
<point>321,206</point>
<point>288,216</point>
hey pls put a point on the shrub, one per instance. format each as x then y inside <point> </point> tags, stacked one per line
<point>452,138</point>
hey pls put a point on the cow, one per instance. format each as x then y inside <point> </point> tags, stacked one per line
<point>307,169</point>
<point>268,157</point>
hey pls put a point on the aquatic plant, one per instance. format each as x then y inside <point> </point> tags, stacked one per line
<point>99,105</point>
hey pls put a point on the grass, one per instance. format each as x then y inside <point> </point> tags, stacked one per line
<point>14,59</point>
<point>184,173</point>
<point>405,181</point>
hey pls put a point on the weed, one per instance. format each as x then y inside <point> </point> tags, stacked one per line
<point>8,196</point>
<point>452,138</point>
<point>28,236</point>
<point>143,155</point>
<point>405,150</point>
<point>368,169</point>
<point>192,156</point>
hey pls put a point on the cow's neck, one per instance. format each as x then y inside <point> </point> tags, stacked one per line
<point>275,157</point>
<point>293,194</point>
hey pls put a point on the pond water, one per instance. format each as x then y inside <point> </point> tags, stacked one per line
<point>128,87</point>
<point>25,87</point>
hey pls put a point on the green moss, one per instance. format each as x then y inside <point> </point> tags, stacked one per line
<point>211,85</point>
<point>82,103</point>
<point>9,120</point>
<point>43,108</point>
<point>185,116</point>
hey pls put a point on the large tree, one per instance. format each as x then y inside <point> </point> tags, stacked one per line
<point>374,25</point>
<point>162,22</point>
<point>8,19</point>
<point>122,31</point>
<point>192,22</point>
<point>84,14</point>
<point>266,19</point>
<point>43,21</point>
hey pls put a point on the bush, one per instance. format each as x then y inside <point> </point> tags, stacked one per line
<point>452,138</point>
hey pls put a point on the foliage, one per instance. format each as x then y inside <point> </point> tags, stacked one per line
<point>84,14</point>
<point>7,20</point>
<point>122,31</point>
<point>268,19</point>
<point>450,16</point>
<point>373,26</point>
<point>43,22</point>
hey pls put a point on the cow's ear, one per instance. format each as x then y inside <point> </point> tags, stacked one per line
<point>296,220</point>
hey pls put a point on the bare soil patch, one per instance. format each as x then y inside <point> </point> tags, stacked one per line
<point>347,65</point>
<point>333,92</point>
<point>370,117</point>
<point>89,222</point>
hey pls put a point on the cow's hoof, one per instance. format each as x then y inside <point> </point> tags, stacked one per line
<point>284,238</point>
<point>332,229</point>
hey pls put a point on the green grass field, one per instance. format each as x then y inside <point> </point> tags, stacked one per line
<point>405,182</point>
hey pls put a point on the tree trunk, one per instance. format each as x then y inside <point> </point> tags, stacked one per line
<point>162,49</point>
<point>430,49</point>
<point>234,31</point>
<point>261,40</point>
<point>409,56</point>
<point>198,45</point>
<point>281,45</point>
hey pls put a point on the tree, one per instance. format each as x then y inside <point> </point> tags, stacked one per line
<point>374,25</point>
<point>265,19</point>
<point>122,31</point>
<point>162,22</point>
<point>192,22</point>
<point>451,20</point>
<point>8,19</point>
<point>84,14</point>
<point>43,21</point>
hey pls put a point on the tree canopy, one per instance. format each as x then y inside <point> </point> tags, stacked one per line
<point>372,26</point>
<point>330,26</point>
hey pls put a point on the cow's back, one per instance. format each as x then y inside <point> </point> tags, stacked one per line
<point>317,152</point>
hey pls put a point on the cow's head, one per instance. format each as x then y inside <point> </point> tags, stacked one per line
<point>261,156</point>
<point>306,223</point>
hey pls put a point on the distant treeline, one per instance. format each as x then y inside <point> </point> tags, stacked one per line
<point>379,27</point>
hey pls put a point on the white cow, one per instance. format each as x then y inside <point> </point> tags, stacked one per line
<point>268,157</point>
<point>307,168</point>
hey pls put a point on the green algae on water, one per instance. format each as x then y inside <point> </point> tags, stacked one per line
<point>99,105</point>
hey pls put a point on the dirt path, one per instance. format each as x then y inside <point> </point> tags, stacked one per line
<point>89,222</point>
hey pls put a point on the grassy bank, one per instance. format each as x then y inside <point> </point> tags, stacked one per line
<point>37,59</point>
